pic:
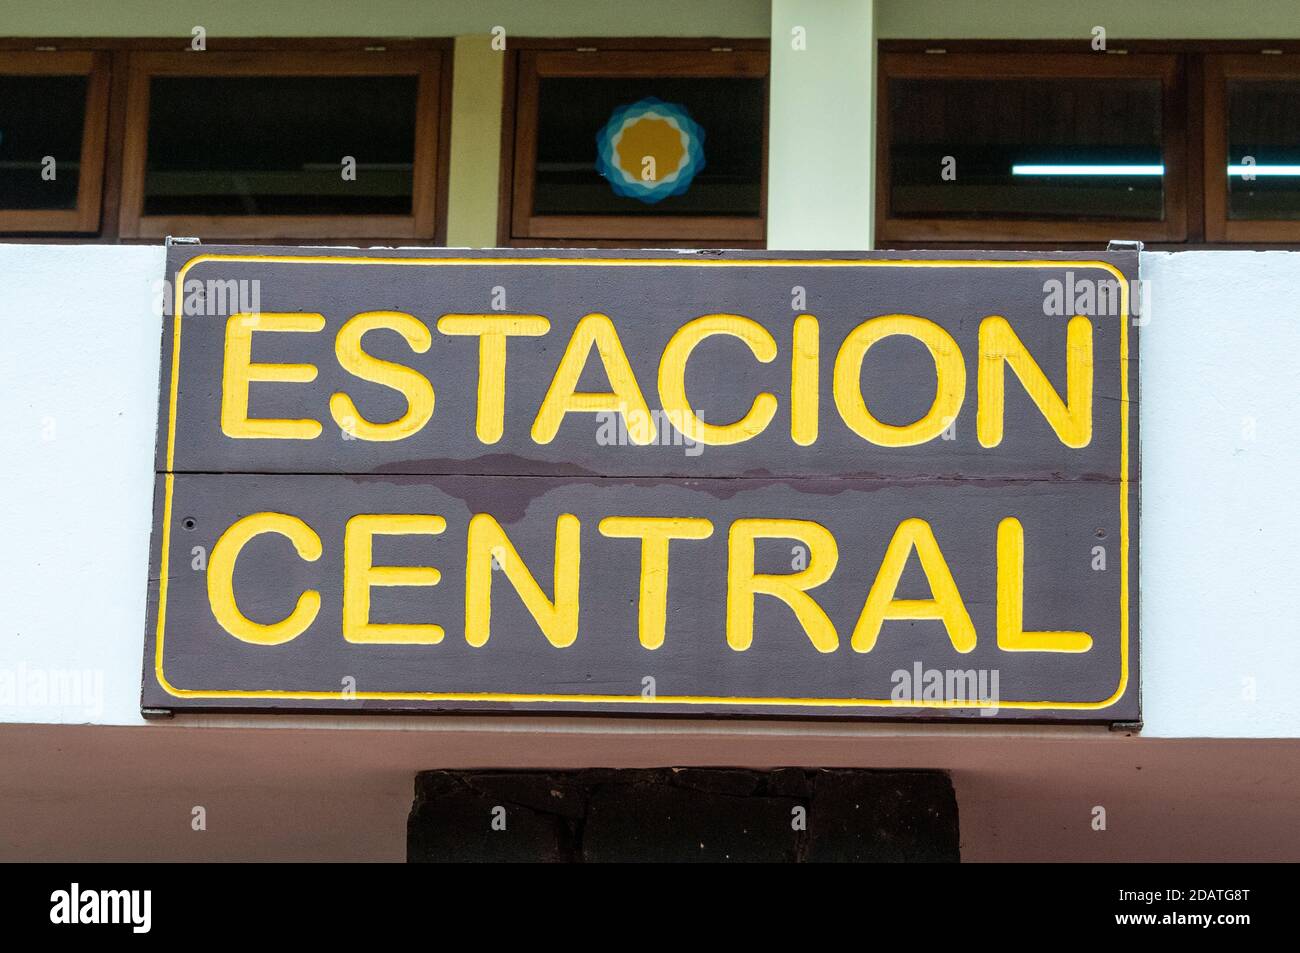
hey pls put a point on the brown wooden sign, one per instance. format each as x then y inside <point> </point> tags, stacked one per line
<point>899,486</point>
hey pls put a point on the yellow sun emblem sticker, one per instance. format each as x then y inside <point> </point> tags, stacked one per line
<point>650,150</point>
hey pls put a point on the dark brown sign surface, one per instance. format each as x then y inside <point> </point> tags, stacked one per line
<point>746,483</point>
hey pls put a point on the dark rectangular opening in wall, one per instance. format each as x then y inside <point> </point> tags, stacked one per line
<point>41,122</point>
<point>636,146</point>
<point>684,814</point>
<point>279,145</point>
<point>282,144</point>
<point>53,126</point>
<point>1027,148</point>
<point>988,146</point>
<point>1263,165</point>
<point>572,111</point>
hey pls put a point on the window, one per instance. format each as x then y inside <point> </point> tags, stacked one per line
<point>282,145</point>
<point>1252,148</point>
<point>1029,147</point>
<point>638,146</point>
<point>53,117</point>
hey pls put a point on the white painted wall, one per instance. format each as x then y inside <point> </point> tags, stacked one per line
<point>1220,495</point>
<point>79,350</point>
<point>1220,517</point>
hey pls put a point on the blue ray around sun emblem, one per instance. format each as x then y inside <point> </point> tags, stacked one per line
<point>627,175</point>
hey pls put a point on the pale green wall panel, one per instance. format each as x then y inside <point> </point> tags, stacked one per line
<point>733,18</point>
<point>1065,19</point>
<point>472,191</point>
<point>896,19</point>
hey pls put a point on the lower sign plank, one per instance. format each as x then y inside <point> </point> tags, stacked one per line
<point>749,596</point>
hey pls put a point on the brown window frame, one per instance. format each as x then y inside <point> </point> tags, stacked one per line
<point>1220,68</point>
<point>85,218</point>
<point>914,65</point>
<point>605,57</point>
<point>427,217</point>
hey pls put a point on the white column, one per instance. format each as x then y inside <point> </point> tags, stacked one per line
<point>821,135</point>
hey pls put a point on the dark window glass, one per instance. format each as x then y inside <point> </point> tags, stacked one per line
<point>727,115</point>
<point>40,116</point>
<point>1026,149</point>
<point>275,145</point>
<point>1264,149</point>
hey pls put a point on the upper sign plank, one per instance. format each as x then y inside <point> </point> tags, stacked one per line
<point>620,364</point>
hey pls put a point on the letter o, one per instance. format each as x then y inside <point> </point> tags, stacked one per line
<point>950,380</point>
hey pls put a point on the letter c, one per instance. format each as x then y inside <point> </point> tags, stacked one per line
<point>221,579</point>
<point>672,379</point>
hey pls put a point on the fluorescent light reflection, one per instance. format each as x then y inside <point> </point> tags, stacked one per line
<point>1264,170</point>
<point>1087,170</point>
<point>1122,170</point>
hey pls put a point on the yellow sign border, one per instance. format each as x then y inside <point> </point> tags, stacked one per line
<point>734,701</point>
